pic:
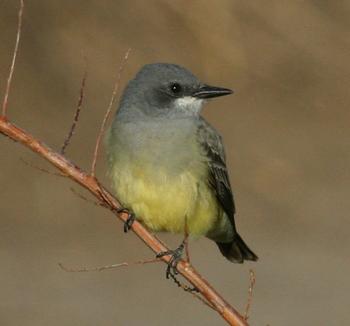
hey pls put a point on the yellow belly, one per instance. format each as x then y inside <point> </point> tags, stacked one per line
<point>163,202</point>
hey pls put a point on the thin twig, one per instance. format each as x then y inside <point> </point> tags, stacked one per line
<point>207,303</point>
<point>12,68</point>
<point>107,267</point>
<point>77,111</point>
<point>108,112</point>
<point>126,264</point>
<point>96,203</point>
<point>252,280</point>
<point>57,174</point>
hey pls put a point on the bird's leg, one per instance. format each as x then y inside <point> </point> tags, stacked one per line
<point>187,250</point>
<point>185,242</point>
<point>129,221</point>
<point>171,271</point>
<point>177,254</point>
<point>175,257</point>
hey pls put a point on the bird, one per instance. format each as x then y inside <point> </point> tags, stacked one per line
<point>167,164</point>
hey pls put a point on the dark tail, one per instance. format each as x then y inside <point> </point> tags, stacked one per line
<point>236,251</point>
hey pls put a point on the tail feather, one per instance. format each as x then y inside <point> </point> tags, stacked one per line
<point>237,251</point>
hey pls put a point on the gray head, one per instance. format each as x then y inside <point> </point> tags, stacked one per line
<point>165,90</point>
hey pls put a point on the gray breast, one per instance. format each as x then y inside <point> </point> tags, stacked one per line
<point>167,144</point>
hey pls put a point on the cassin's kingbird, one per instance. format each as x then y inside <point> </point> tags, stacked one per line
<point>167,164</point>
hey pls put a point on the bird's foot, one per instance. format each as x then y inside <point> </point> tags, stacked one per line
<point>171,271</point>
<point>129,221</point>
<point>175,257</point>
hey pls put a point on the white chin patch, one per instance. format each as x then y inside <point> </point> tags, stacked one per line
<point>189,104</point>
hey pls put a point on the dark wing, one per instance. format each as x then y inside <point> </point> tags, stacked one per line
<point>211,143</point>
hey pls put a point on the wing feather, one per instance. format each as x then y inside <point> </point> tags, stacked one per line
<point>211,143</point>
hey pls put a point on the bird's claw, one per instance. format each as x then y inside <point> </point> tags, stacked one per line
<point>171,271</point>
<point>129,221</point>
<point>175,257</point>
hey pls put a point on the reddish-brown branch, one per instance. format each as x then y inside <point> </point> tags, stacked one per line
<point>89,182</point>
<point>108,112</point>
<point>12,68</point>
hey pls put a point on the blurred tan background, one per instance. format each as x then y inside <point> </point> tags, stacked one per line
<point>286,131</point>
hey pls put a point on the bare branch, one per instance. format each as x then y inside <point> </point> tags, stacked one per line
<point>12,68</point>
<point>252,280</point>
<point>77,111</point>
<point>126,264</point>
<point>108,267</point>
<point>108,112</point>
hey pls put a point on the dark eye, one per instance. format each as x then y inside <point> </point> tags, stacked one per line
<point>175,88</point>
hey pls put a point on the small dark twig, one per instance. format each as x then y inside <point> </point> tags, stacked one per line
<point>107,267</point>
<point>108,112</point>
<point>58,174</point>
<point>12,68</point>
<point>199,297</point>
<point>96,203</point>
<point>252,280</point>
<point>77,111</point>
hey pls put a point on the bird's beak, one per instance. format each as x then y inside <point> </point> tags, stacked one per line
<point>206,91</point>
